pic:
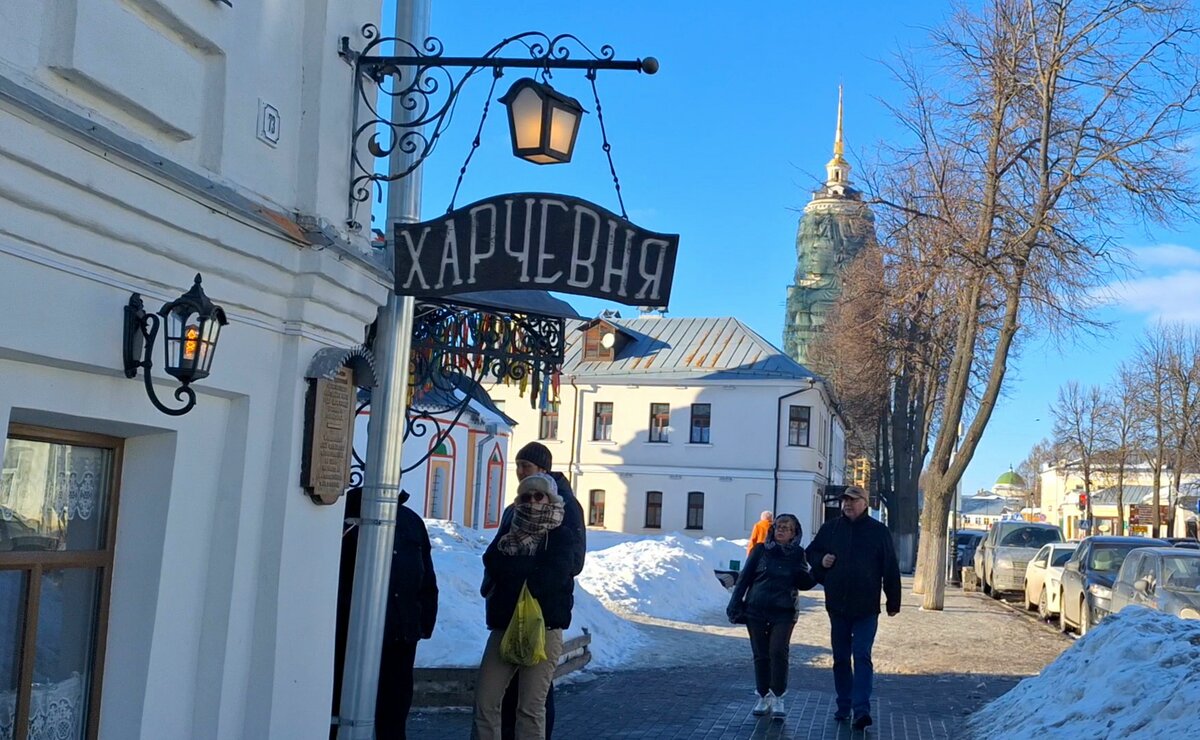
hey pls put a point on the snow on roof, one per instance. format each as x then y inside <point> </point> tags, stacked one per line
<point>1156,656</point>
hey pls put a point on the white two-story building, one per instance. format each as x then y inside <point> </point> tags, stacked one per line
<point>685,424</point>
<point>167,576</point>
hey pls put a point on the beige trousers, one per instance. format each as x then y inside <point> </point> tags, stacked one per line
<point>534,681</point>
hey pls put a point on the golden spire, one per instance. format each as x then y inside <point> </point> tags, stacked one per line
<point>837,137</point>
<point>838,169</point>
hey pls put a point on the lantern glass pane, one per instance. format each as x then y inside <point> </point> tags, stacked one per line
<point>526,113</point>
<point>176,327</point>
<point>562,130</point>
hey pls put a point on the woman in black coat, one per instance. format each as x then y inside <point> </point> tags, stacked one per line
<point>764,598</point>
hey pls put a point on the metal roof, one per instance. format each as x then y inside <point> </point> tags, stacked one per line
<point>1132,495</point>
<point>685,349</point>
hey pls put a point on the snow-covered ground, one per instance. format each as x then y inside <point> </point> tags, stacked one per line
<point>1136,675</point>
<point>668,576</point>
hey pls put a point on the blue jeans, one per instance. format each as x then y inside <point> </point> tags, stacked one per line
<point>852,638</point>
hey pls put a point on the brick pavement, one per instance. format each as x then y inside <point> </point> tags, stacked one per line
<point>926,683</point>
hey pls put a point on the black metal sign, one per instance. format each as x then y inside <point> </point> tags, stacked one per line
<point>537,241</point>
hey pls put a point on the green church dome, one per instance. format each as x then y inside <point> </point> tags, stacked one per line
<point>1010,478</point>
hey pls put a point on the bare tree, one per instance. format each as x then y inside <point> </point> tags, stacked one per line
<point>1079,426</point>
<point>1152,370</point>
<point>1183,407</point>
<point>1030,468</point>
<point>1124,441</point>
<point>1046,123</point>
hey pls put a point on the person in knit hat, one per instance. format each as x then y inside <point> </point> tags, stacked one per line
<point>534,463</point>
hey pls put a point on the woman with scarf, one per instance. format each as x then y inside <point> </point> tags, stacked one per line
<point>537,551</point>
<point>764,599</point>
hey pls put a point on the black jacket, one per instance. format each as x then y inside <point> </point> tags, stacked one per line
<point>766,588</point>
<point>550,572</point>
<point>412,587</point>
<point>866,562</point>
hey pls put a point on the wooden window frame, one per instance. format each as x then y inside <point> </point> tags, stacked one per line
<point>596,416</point>
<point>658,506</point>
<point>593,520</point>
<point>707,427</point>
<point>34,564</point>
<point>548,422</point>
<point>660,422</point>
<point>690,508</point>
<point>794,438</point>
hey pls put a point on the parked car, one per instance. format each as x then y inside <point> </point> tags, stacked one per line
<point>1189,542</point>
<point>965,542</point>
<point>1042,577</point>
<point>1085,596</point>
<point>1005,552</point>
<point>1166,579</point>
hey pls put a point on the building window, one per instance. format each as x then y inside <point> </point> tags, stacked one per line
<point>701,422</point>
<point>596,509</point>
<point>599,342</point>
<point>695,510</point>
<point>798,417</point>
<point>495,486</point>
<point>548,428</point>
<point>439,488</point>
<point>660,422</point>
<point>57,526</point>
<point>602,423</point>
<point>654,510</point>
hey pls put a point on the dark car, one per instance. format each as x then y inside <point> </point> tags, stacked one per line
<point>1189,542</point>
<point>1087,579</point>
<point>965,542</point>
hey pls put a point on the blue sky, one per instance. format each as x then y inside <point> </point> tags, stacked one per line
<point>723,145</point>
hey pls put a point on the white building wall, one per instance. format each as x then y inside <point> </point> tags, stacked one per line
<point>735,470</point>
<point>129,162</point>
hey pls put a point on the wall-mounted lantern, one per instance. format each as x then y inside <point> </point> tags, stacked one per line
<point>193,323</point>
<point>542,121</point>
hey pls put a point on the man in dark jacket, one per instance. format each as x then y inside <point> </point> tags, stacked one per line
<point>537,458</point>
<point>853,557</point>
<point>411,612</point>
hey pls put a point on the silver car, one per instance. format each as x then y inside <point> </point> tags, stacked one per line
<point>1005,552</point>
<point>1162,578</point>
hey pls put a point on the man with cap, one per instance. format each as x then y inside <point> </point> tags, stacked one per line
<point>854,558</point>
<point>537,458</point>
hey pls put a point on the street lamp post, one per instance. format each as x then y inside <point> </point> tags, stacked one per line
<point>406,143</point>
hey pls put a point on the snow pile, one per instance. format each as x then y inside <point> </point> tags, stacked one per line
<point>668,576</point>
<point>461,631</point>
<point>1136,675</point>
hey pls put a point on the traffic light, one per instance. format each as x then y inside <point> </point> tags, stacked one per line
<point>1083,501</point>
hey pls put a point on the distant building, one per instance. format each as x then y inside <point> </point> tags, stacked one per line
<point>1010,485</point>
<point>1062,483</point>
<point>835,227</point>
<point>685,424</point>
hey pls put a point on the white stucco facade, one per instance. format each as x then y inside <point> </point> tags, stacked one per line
<point>130,161</point>
<point>747,466</point>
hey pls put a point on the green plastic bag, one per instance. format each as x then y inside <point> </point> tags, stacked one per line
<point>524,641</point>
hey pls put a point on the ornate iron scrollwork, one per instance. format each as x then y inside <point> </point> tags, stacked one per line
<point>456,351</point>
<point>418,86</point>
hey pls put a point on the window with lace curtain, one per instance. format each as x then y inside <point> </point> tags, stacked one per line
<point>57,523</point>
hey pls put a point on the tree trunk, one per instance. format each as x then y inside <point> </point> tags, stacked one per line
<point>931,566</point>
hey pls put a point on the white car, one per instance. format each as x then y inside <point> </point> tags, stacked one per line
<point>1042,577</point>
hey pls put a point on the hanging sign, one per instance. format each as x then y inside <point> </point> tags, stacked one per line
<point>535,241</point>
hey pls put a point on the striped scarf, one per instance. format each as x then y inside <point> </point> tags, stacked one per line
<point>530,523</point>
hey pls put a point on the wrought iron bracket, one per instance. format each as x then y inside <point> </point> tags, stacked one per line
<point>423,92</point>
<point>141,329</point>
<point>456,350</point>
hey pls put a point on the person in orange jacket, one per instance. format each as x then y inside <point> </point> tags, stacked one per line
<point>758,534</point>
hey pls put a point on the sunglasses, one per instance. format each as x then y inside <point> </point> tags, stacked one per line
<point>527,497</point>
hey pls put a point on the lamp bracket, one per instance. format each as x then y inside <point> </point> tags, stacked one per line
<point>141,329</point>
<point>422,92</point>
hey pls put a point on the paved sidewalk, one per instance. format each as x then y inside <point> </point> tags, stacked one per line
<point>932,670</point>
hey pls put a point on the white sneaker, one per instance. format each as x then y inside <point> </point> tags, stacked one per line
<point>763,705</point>
<point>778,707</point>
